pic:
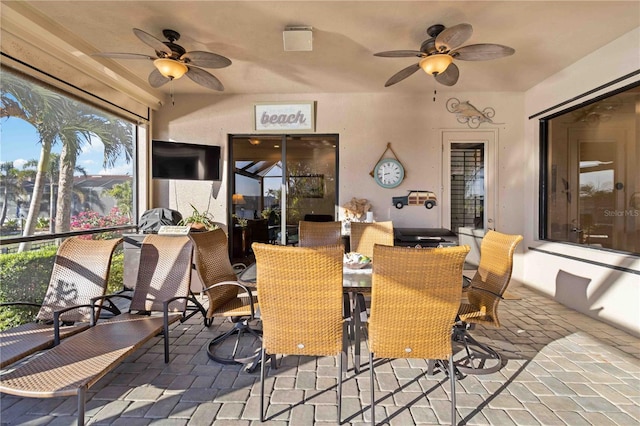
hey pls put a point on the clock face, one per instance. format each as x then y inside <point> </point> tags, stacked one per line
<point>389,173</point>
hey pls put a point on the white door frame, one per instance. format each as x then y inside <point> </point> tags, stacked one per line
<point>489,138</point>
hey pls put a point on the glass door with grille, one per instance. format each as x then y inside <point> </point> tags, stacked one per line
<point>468,184</point>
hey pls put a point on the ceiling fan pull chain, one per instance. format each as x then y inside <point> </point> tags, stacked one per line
<point>173,101</point>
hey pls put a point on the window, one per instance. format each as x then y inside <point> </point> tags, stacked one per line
<point>66,165</point>
<point>467,185</point>
<point>590,188</point>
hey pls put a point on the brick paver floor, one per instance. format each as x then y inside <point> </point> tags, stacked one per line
<point>562,368</point>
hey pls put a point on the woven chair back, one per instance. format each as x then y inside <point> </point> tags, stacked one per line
<point>365,235</point>
<point>211,257</point>
<point>164,272</point>
<point>493,274</point>
<point>415,297</point>
<point>80,272</point>
<point>300,293</point>
<point>314,234</point>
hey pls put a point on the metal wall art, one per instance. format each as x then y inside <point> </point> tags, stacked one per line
<point>470,115</point>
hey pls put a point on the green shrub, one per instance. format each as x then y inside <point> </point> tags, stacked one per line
<point>24,277</point>
<point>116,273</point>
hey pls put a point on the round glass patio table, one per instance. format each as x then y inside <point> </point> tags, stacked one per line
<point>353,280</point>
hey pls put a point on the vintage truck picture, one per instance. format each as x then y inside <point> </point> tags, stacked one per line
<point>415,197</point>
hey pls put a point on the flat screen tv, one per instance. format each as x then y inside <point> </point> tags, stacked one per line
<point>176,160</point>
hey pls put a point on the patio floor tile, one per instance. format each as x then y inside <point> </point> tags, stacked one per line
<point>562,368</point>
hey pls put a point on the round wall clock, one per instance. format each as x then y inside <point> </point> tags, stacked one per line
<point>388,173</point>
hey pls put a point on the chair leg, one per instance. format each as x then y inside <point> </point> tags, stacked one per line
<point>344,360</point>
<point>82,396</point>
<point>371,387</point>
<point>239,328</point>
<point>480,358</point>
<point>340,365</point>
<point>263,359</point>
<point>452,377</point>
<point>430,364</point>
<point>357,322</point>
<point>165,332</point>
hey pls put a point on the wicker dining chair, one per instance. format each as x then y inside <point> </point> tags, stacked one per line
<point>313,234</point>
<point>484,293</point>
<point>228,298</point>
<point>364,235</point>
<point>80,272</point>
<point>301,319</point>
<point>415,297</point>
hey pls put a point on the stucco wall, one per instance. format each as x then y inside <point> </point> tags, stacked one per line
<point>365,123</point>
<point>574,275</point>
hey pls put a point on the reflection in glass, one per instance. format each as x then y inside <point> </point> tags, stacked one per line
<point>592,178</point>
<point>467,185</point>
<point>304,166</point>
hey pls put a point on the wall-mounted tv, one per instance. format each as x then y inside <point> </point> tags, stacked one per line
<point>176,160</point>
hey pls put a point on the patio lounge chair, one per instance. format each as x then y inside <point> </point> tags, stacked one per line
<point>78,362</point>
<point>80,273</point>
<point>415,296</point>
<point>484,293</point>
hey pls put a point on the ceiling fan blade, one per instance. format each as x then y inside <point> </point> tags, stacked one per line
<point>402,74</point>
<point>156,79</point>
<point>150,40</point>
<point>116,55</point>
<point>204,78</point>
<point>399,54</point>
<point>453,37</point>
<point>482,52</point>
<point>205,59</point>
<point>450,76</point>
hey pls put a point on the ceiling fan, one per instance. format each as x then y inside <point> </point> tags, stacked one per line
<point>172,61</point>
<point>438,52</point>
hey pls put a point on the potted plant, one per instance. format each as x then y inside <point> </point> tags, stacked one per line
<point>199,221</point>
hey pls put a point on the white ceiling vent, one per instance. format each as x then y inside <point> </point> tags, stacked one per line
<point>298,39</point>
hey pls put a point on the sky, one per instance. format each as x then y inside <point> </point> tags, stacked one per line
<point>19,143</point>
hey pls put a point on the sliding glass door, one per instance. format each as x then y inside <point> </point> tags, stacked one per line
<point>276,181</point>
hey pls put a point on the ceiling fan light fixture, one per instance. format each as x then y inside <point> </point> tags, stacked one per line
<point>436,64</point>
<point>170,68</point>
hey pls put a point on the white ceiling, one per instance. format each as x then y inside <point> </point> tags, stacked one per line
<point>547,37</point>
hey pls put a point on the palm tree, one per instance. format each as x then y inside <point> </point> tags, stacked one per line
<point>83,195</point>
<point>40,107</point>
<point>81,125</point>
<point>53,175</point>
<point>57,117</point>
<point>123,194</point>
<point>10,185</point>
